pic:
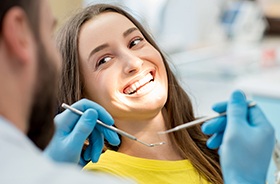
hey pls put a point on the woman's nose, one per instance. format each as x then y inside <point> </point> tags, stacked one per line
<point>132,63</point>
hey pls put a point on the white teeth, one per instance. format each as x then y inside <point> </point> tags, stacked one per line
<point>133,87</point>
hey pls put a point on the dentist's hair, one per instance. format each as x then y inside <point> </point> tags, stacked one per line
<point>191,142</point>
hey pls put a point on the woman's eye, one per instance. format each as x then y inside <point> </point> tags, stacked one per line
<point>135,42</point>
<point>103,60</point>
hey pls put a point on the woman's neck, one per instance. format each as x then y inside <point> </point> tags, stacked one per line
<point>146,131</point>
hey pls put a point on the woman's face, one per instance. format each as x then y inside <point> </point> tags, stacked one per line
<point>121,70</point>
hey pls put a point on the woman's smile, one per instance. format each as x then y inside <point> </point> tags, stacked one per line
<point>140,86</point>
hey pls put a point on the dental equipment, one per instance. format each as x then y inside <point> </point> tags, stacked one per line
<point>121,132</point>
<point>198,121</point>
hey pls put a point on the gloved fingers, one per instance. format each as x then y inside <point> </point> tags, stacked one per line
<point>83,128</point>
<point>97,143</point>
<point>237,108</point>
<point>87,153</point>
<point>256,116</point>
<point>214,126</point>
<point>220,107</point>
<point>82,162</point>
<point>258,120</point>
<point>103,115</point>
<point>215,140</point>
<point>111,136</point>
<point>67,120</point>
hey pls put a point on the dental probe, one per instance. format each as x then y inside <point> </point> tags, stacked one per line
<point>121,132</point>
<point>198,121</point>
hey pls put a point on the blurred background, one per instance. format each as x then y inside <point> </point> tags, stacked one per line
<point>215,47</point>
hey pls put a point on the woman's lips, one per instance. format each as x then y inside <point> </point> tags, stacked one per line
<point>133,88</point>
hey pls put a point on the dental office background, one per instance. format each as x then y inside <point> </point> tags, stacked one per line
<point>215,46</point>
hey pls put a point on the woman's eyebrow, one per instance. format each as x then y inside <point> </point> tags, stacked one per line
<point>103,46</point>
<point>130,30</point>
<point>97,49</point>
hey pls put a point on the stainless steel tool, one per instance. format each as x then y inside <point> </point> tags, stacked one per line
<point>121,132</point>
<point>198,121</point>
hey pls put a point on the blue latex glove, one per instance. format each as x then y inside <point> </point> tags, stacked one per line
<point>246,140</point>
<point>216,127</point>
<point>72,130</point>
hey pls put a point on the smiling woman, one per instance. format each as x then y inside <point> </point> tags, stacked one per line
<point>110,58</point>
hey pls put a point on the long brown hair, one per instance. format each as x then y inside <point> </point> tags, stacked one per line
<point>191,142</point>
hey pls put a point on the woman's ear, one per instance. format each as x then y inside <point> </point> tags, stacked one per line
<point>18,35</point>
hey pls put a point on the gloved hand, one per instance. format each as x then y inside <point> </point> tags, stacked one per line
<point>72,130</point>
<point>246,140</point>
<point>216,127</point>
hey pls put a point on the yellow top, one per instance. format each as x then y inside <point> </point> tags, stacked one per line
<point>147,171</point>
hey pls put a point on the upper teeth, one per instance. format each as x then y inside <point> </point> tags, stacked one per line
<point>133,87</point>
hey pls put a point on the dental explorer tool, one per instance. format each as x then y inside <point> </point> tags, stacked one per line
<point>121,132</point>
<point>198,121</point>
